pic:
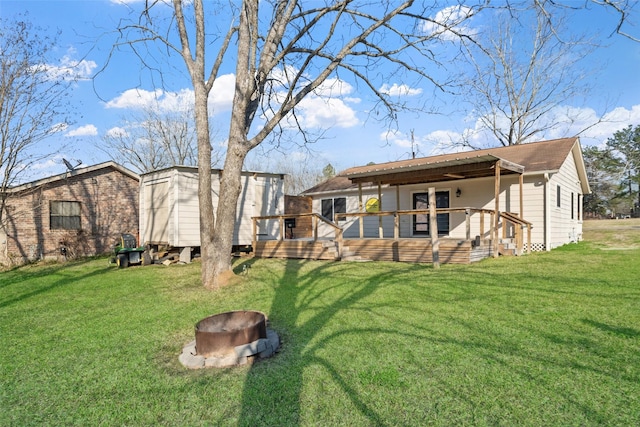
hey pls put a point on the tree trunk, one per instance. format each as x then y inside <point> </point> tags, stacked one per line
<point>237,147</point>
<point>205,199</point>
<point>230,188</point>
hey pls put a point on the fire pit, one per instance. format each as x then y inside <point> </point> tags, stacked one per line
<point>231,338</point>
<point>219,334</point>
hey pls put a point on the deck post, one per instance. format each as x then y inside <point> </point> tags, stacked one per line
<point>528,239</point>
<point>518,232</point>
<point>467,222</point>
<point>496,217</point>
<point>281,219</point>
<point>521,202</point>
<point>254,240</point>
<point>315,228</point>
<point>397,209</point>
<point>396,225</point>
<point>361,209</point>
<point>380,230</point>
<point>482,224</point>
<point>433,228</point>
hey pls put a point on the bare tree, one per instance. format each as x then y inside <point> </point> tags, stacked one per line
<point>302,170</point>
<point>155,139</point>
<point>32,101</point>
<point>284,51</point>
<point>522,72</point>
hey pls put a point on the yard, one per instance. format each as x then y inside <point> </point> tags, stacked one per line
<point>544,339</point>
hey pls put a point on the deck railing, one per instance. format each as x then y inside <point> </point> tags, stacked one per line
<point>508,218</point>
<point>469,212</point>
<point>518,224</point>
<point>316,219</point>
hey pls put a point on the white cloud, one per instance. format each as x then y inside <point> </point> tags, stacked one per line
<point>397,138</point>
<point>69,68</point>
<point>220,98</point>
<point>135,98</point>
<point>450,18</point>
<point>86,130</point>
<point>333,88</point>
<point>322,112</point>
<point>117,132</point>
<point>50,163</point>
<point>569,121</point>
<point>399,90</point>
<point>327,106</point>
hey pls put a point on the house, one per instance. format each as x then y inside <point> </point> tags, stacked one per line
<point>495,201</point>
<point>169,211</point>
<point>80,212</point>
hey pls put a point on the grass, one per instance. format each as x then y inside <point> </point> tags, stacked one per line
<point>545,339</point>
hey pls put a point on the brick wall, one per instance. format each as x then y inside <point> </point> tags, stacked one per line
<point>109,207</point>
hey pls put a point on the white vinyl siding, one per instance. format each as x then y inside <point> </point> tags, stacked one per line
<point>563,228</point>
<point>262,194</point>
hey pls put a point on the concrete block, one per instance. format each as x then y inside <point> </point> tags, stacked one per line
<point>252,348</point>
<point>190,361</point>
<point>223,362</point>
<point>185,255</point>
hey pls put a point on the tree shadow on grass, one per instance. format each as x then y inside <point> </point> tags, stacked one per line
<point>26,292</point>
<point>303,305</point>
<point>616,330</point>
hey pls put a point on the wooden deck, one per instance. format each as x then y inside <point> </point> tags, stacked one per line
<point>402,249</point>
<point>412,250</point>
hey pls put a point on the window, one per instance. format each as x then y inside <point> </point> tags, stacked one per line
<point>558,197</point>
<point>572,206</point>
<point>579,207</point>
<point>421,221</point>
<point>330,207</point>
<point>64,215</point>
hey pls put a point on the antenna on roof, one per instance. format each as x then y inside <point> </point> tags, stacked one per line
<point>69,165</point>
<point>413,151</point>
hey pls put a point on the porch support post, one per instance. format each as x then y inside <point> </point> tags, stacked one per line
<point>281,219</point>
<point>521,201</point>
<point>433,228</point>
<point>380,231</point>
<point>482,213</point>
<point>396,234</point>
<point>315,228</point>
<point>467,222</point>
<point>361,209</point>
<point>496,217</point>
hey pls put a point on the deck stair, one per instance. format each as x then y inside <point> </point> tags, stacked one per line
<point>508,247</point>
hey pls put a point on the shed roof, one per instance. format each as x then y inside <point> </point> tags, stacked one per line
<point>535,157</point>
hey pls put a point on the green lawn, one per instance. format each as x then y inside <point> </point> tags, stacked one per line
<point>545,339</point>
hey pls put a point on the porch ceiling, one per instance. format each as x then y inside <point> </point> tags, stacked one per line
<point>448,170</point>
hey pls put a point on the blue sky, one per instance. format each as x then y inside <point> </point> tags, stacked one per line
<point>350,137</point>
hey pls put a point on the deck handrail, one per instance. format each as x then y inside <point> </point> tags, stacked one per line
<point>315,219</point>
<point>468,211</point>
<point>519,224</point>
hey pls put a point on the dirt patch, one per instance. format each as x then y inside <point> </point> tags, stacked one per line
<point>611,234</point>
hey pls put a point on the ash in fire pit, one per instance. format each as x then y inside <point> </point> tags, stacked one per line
<point>228,339</point>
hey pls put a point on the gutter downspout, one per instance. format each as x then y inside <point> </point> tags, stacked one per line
<point>547,214</point>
